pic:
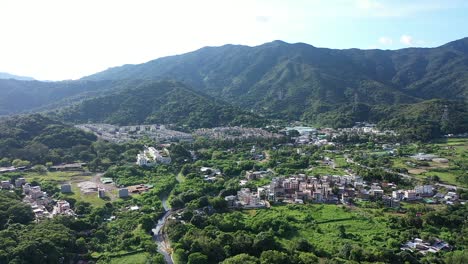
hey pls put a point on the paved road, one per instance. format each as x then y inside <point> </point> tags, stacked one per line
<point>159,236</point>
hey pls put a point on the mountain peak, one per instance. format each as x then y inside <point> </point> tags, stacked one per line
<point>460,45</point>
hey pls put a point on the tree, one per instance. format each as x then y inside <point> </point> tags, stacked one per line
<point>5,162</point>
<point>20,163</point>
<point>264,241</point>
<point>457,257</point>
<point>342,231</point>
<point>147,222</point>
<point>273,257</point>
<point>241,259</point>
<point>346,251</point>
<point>41,169</point>
<point>307,258</point>
<point>197,258</point>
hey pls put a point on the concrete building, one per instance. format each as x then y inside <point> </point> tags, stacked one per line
<point>231,200</point>
<point>6,185</point>
<point>101,192</point>
<point>65,188</point>
<point>410,195</point>
<point>424,190</point>
<point>26,189</point>
<point>151,157</point>
<point>36,192</point>
<point>62,206</point>
<point>123,192</point>
<point>19,182</point>
<point>398,195</point>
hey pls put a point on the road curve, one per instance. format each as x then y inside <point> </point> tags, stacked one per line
<point>158,235</point>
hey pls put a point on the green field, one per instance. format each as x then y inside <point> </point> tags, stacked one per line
<point>91,198</point>
<point>58,177</point>
<point>138,258</point>
<point>68,177</point>
<point>326,170</point>
<point>319,224</point>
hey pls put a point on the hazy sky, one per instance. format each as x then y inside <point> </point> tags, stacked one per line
<point>65,39</point>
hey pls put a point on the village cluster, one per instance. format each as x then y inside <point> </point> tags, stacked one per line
<point>234,133</point>
<point>129,133</point>
<point>39,200</point>
<point>332,189</point>
<point>325,136</point>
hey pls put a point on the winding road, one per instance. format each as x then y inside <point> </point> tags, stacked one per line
<point>158,235</point>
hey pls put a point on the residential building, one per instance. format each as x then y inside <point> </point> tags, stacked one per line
<point>65,188</point>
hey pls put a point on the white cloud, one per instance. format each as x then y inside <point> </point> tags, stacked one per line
<point>407,40</point>
<point>385,41</point>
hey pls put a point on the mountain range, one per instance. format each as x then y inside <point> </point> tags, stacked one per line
<point>4,75</point>
<point>276,80</point>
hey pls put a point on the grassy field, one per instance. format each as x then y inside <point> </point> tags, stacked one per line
<point>326,170</point>
<point>138,258</point>
<point>363,226</point>
<point>91,198</point>
<point>58,177</point>
<point>453,149</point>
<point>68,177</point>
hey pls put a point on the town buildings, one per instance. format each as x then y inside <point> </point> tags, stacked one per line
<point>151,157</point>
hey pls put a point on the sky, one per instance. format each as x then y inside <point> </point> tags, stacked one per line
<point>69,39</point>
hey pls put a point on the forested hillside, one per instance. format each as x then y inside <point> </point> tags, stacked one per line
<point>325,87</point>
<point>159,102</point>
<point>38,139</point>
<point>289,80</point>
<point>23,96</point>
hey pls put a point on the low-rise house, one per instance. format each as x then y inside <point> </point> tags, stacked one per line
<point>6,185</point>
<point>62,207</point>
<point>123,192</point>
<point>255,175</point>
<point>376,191</point>
<point>424,190</point>
<point>65,188</point>
<point>424,247</point>
<point>101,192</point>
<point>248,199</point>
<point>398,195</point>
<point>36,192</point>
<point>410,195</point>
<point>390,201</point>
<point>19,182</point>
<point>231,200</point>
<point>451,196</point>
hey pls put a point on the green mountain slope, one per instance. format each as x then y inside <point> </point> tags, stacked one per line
<point>39,139</point>
<point>158,102</point>
<point>288,80</point>
<point>25,96</point>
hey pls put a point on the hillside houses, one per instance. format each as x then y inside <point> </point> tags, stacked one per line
<point>128,133</point>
